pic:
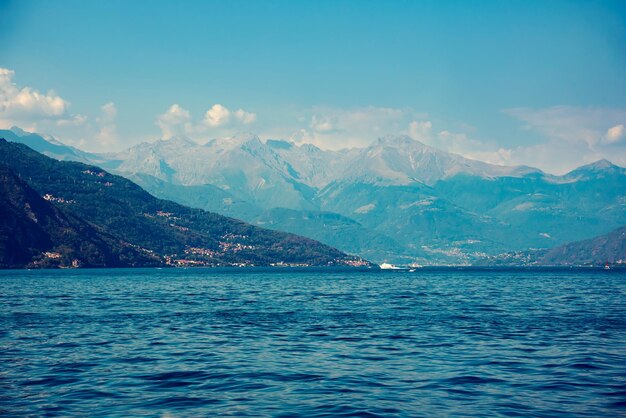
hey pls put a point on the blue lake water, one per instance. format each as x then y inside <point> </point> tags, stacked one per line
<point>202,342</point>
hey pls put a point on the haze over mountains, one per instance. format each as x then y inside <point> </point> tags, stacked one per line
<point>397,200</point>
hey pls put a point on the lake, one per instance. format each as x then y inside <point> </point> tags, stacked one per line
<point>306,342</point>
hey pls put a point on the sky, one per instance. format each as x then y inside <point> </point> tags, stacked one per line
<point>516,82</point>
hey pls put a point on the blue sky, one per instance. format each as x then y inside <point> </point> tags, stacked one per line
<point>533,82</point>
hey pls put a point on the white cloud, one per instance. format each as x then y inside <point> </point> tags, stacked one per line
<point>175,121</point>
<point>573,136</point>
<point>500,156</point>
<point>570,123</point>
<point>615,134</point>
<point>49,114</point>
<point>452,142</point>
<point>75,120</point>
<point>217,121</point>
<point>107,134</point>
<point>421,130</point>
<point>461,143</point>
<point>245,117</point>
<point>109,110</point>
<point>217,115</point>
<point>28,107</point>
<point>322,123</point>
<point>337,128</point>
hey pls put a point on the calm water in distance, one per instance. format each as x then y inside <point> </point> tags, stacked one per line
<point>279,343</point>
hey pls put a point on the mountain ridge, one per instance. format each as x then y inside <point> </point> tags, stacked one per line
<point>606,249</point>
<point>436,206</point>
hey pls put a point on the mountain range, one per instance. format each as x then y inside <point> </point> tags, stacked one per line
<point>61,213</point>
<point>397,200</point>
<point>607,249</point>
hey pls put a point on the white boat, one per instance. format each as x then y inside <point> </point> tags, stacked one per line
<point>387,266</point>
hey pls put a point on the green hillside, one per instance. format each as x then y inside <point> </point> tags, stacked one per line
<point>181,235</point>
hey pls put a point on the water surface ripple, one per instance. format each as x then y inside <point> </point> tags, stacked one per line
<point>204,342</point>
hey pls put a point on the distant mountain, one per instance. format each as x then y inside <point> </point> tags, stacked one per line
<point>243,166</point>
<point>430,228</point>
<point>599,169</point>
<point>604,249</point>
<point>253,169</point>
<point>181,235</point>
<point>36,233</point>
<point>263,176</point>
<point>401,160</point>
<point>206,196</point>
<point>327,227</point>
<point>608,248</point>
<point>415,202</point>
<point>48,145</point>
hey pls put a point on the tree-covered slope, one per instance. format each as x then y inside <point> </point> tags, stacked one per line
<point>604,249</point>
<point>127,212</point>
<point>35,233</point>
<point>608,248</point>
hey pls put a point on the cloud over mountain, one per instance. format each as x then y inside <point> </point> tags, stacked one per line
<point>219,115</point>
<point>615,134</point>
<point>336,128</point>
<point>174,121</point>
<point>556,138</point>
<point>27,106</point>
<point>572,133</point>
<point>48,112</point>
<point>178,121</point>
<point>107,133</point>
